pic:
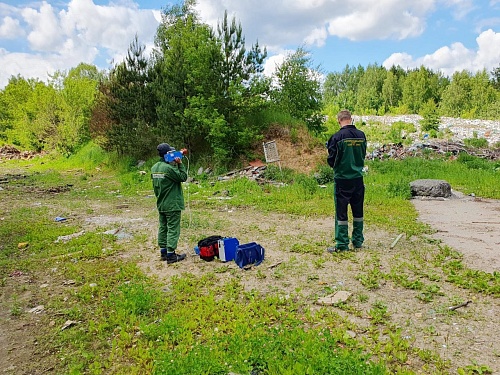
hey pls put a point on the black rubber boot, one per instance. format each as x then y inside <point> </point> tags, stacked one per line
<point>173,257</point>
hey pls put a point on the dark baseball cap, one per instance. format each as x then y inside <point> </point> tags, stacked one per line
<point>163,148</point>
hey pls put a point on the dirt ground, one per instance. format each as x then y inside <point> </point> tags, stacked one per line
<point>468,224</point>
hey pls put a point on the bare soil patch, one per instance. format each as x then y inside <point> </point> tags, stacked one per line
<point>468,224</point>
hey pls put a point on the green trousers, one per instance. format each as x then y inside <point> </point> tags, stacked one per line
<point>169,230</point>
<point>349,193</point>
<point>342,233</point>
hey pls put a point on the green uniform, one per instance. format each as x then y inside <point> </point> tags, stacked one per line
<point>346,155</point>
<point>167,185</point>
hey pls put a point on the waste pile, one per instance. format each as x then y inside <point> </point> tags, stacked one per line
<point>10,152</point>
<point>443,147</point>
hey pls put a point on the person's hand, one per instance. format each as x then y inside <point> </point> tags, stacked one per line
<point>178,160</point>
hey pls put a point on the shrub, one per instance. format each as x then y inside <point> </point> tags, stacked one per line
<point>324,175</point>
<point>476,142</point>
<point>430,116</point>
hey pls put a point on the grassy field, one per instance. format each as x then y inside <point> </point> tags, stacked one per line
<point>105,313</point>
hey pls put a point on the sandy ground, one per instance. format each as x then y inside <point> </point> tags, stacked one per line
<point>468,224</point>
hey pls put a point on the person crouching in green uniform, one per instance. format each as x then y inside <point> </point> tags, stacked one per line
<point>346,155</point>
<point>167,185</point>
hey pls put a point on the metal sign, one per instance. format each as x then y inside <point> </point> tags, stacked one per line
<point>271,152</point>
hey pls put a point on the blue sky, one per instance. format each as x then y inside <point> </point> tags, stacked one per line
<point>38,38</point>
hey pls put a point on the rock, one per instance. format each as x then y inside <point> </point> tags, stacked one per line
<point>430,188</point>
<point>332,299</point>
<point>37,310</point>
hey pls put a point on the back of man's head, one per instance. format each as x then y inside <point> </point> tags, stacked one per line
<point>344,115</point>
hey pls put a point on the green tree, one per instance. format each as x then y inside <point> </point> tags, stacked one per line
<point>469,96</point>
<point>130,105</point>
<point>430,118</point>
<point>45,123</point>
<point>241,92</point>
<point>340,89</point>
<point>298,89</point>
<point>392,88</point>
<point>483,94</point>
<point>210,88</point>
<point>4,117</point>
<point>456,97</point>
<point>495,77</point>
<point>186,81</point>
<point>369,94</point>
<point>14,122</point>
<point>77,90</point>
<point>420,86</point>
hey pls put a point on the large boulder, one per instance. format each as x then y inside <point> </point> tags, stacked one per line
<point>430,188</point>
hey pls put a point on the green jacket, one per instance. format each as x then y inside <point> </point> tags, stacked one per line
<point>167,179</point>
<point>346,153</point>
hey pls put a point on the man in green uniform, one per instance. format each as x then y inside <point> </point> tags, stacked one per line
<point>167,185</point>
<point>346,155</point>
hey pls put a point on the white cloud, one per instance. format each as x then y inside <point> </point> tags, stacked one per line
<point>455,57</point>
<point>28,65</point>
<point>111,27</point>
<point>61,39</point>
<point>382,20</point>
<point>45,34</point>
<point>317,37</point>
<point>273,62</point>
<point>461,7</point>
<point>294,22</point>
<point>10,28</point>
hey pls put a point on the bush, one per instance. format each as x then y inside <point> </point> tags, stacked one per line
<point>473,162</point>
<point>476,142</point>
<point>275,173</point>
<point>324,175</point>
<point>430,116</point>
<point>399,188</point>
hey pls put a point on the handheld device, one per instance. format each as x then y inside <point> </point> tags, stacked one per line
<point>171,155</point>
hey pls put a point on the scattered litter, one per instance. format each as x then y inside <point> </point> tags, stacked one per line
<point>37,310</point>
<point>118,233</point>
<point>452,308</point>
<point>274,265</point>
<point>69,282</point>
<point>444,147</point>
<point>69,237</point>
<point>332,299</point>
<point>10,152</point>
<point>257,163</point>
<point>22,245</point>
<point>60,218</point>
<point>67,324</point>
<point>16,273</point>
<point>396,240</point>
<point>351,334</point>
<point>43,286</point>
<point>92,285</point>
